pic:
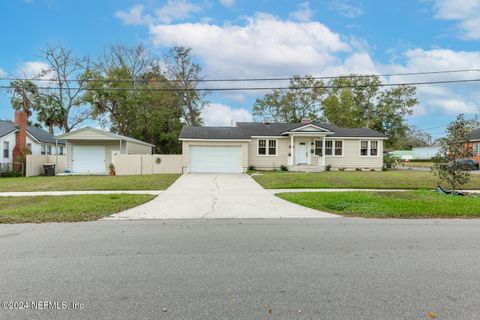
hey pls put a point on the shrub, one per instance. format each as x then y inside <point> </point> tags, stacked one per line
<point>328,167</point>
<point>283,168</point>
<point>390,161</point>
<point>252,168</point>
<point>358,169</point>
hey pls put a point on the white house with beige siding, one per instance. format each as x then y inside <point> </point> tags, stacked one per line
<point>90,150</point>
<point>267,146</point>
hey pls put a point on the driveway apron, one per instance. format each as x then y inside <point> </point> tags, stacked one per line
<point>211,196</point>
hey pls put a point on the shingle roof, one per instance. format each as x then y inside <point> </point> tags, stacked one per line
<point>474,135</point>
<point>246,130</point>
<point>7,127</point>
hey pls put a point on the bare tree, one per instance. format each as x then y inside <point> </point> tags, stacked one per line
<point>64,67</point>
<point>185,75</point>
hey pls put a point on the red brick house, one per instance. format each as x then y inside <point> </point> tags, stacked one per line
<point>474,142</point>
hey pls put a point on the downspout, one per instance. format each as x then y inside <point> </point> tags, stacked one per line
<point>56,154</point>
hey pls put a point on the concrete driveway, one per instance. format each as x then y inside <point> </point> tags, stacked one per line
<point>211,196</point>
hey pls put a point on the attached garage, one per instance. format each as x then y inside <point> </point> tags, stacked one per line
<point>88,159</point>
<point>213,159</point>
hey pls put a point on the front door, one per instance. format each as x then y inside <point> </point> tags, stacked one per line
<point>301,153</point>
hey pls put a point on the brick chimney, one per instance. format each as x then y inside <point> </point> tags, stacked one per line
<point>20,149</point>
<point>306,121</point>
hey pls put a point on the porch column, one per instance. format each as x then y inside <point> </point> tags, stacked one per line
<point>292,151</point>
<point>323,152</point>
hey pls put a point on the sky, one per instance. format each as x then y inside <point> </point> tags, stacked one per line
<point>266,38</point>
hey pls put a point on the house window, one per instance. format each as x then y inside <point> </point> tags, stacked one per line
<point>369,148</point>
<point>364,148</point>
<point>338,148</point>
<point>29,146</point>
<point>374,148</point>
<point>476,149</point>
<point>262,147</point>
<point>61,150</point>
<point>318,148</point>
<point>267,147</point>
<point>6,149</point>
<point>49,150</point>
<point>272,147</point>
<point>42,152</point>
<point>328,147</point>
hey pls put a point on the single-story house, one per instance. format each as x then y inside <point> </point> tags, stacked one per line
<point>21,135</point>
<point>91,150</point>
<point>266,146</point>
<point>474,142</point>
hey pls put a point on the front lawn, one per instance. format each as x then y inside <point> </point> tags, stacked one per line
<point>396,179</point>
<point>70,183</point>
<point>408,204</point>
<point>66,208</point>
<point>418,164</point>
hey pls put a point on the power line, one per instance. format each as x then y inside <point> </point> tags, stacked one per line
<point>248,79</point>
<point>264,88</point>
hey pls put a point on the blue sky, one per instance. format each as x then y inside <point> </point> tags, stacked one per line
<point>233,38</point>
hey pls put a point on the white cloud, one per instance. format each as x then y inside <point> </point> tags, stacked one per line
<point>176,10</point>
<point>216,114</point>
<point>134,16</point>
<point>456,106</point>
<point>465,12</point>
<point>3,73</point>
<point>33,69</point>
<point>264,46</point>
<point>345,9</point>
<point>171,11</point>
<point>303,14</point>
<point>227,3</point>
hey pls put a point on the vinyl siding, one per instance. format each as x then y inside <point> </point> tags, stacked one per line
<point>186,149</point>
<point>10,138</point>
<point>351,158</point>
<point>268,162</point>
<point>137,148</point>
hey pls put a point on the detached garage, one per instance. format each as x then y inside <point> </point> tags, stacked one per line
<point>90,150</point>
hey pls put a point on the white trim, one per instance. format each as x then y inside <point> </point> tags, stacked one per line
<point>369,148</point>
<point>216,140</point>
<point>321,129</point>
<point>333,148</point>
<point>270,137</point>
<point>6,134</point>
<point>267,147</point>
<point>110,134</point>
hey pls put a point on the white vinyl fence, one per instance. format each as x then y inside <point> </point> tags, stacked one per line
<point>34,164</point>
<point>142,164</point>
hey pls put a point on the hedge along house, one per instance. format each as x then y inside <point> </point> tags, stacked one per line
<point>266,146</point>
<point>91,150</point>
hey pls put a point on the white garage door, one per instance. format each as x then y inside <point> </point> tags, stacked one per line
<point>216,159</point>
<point>88,159</point>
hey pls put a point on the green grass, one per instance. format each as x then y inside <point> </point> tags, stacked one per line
<point>418,164</point>
<point>408,204</point>
<point>396,179</point>
<point>62,183</point>
<point>66,208</point>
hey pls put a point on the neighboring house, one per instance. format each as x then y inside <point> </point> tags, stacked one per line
<point>91,150</point>
<point>297,146</point>
<point>38,141</point>
<point>402,154</point>
<point>425,153</point>
<point>474,142</point>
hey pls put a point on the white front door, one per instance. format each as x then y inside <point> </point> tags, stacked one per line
<point>213,159</point>
<point>88,159</point>
<point>301,153</point>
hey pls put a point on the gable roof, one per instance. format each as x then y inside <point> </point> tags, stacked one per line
<point>474,135</point>
<point>108,134</point>
<point>247,130</point>
<point>38,134</point>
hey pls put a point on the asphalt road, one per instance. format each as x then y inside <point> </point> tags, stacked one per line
<point>250,269</point>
